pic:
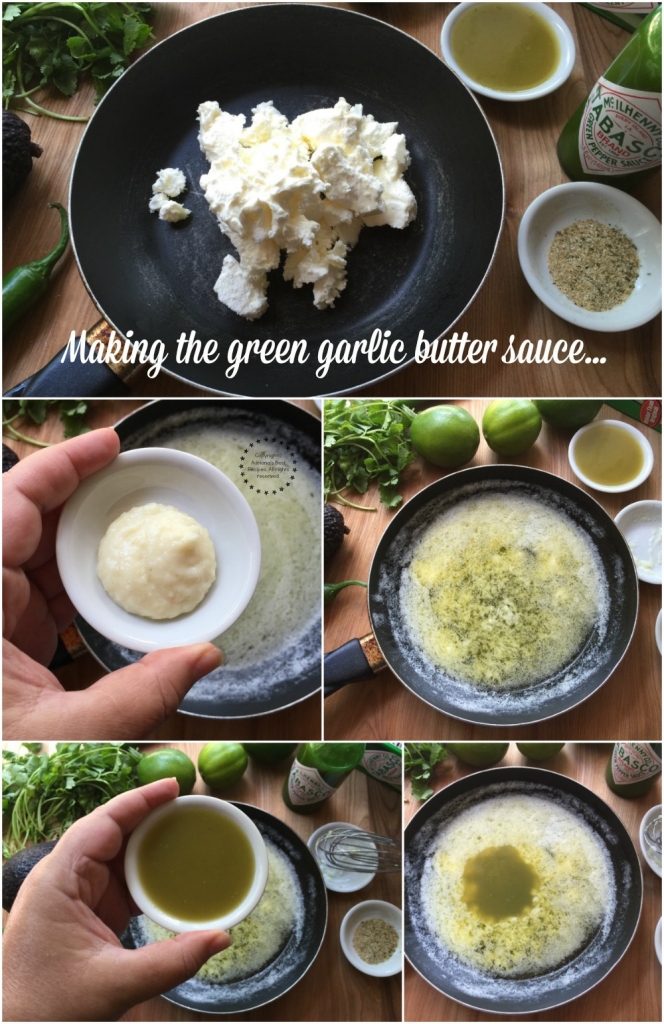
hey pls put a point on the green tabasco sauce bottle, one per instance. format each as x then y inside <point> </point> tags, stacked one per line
<point>615,136</point>
<point>317,771</point>
<point>633,767</point>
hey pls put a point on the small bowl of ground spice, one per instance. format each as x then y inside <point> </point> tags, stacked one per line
<point>371,938</point>
<point>593,255</point>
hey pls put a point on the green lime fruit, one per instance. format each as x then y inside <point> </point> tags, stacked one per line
<point>480,755</point>
<point>269,753</point>
<point>222,764</point>
<point>445,435</point>
<point>511,425</point>
<point>569,413</point>
<point>168,763</point>
<point>540,751</point>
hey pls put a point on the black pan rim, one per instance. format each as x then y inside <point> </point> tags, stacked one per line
<point>282,824</point>
<point>462,717</point>
<point>342,12</point>
<point>83,626</point>
<point>525,771</point>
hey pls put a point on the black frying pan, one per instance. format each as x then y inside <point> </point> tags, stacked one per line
<point>221,694</point>
<point>465,984</point>
<point>389,646</point>
<point>157,280</point>
<point>294,959</point>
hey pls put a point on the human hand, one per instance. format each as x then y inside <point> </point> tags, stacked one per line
<point>127,704</point>
<point>62,958</point>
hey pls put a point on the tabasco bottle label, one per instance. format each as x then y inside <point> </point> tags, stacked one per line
<point>384,765</point>
<point>631,8</point>
<point>621,130</point>
<point>306,785</point>
<point>633,762</point>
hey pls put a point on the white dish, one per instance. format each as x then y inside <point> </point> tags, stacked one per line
<point>658,940</point>
<point>362,912</point>
<point>176,924</point>
<point>648,457</point>
<point>192,485</point>
<point>560,75</point>
<point>641,526</point>
<point>561,206</point>
<point>647,854</point>
<point>337,880</point>
<point>658,631</point>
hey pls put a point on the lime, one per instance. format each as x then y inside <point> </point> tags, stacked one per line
<point>540,751</point>
<point>480,755</point>
<point>222,764</point>
<point>511,425</point>
<point>168,763</point>
<point>570,413</point>
<point>269,753</point>
<point>445,435</point>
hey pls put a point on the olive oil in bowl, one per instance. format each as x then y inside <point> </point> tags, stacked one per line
<point>610,455</point>
<point>196,862</point>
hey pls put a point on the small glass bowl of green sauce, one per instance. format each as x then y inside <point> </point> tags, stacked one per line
<point>196,863</point>
<point>508,51</point>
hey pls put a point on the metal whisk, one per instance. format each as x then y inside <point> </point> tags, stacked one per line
<point>351,849</point>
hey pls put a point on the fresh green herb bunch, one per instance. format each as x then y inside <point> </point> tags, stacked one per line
<point>54,43</point>
<point>365,441</point>
<point>42,794</point>
<point>36,410</point>
<point>420,759</point>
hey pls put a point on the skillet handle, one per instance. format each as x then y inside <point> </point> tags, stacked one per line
<point>71,645</point>
<point>78,379</point>
<point>353,662</point>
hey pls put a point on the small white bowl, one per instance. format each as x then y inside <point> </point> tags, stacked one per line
<point>658,940</point>
<point>645,820</point>
<point>560,75</point>
<point>362,912</point>
<point>192,485</point>
<point>335,879</point>
<point>641,526</point>
<point>648,457</point>
<point>658,631</point>
<point>561,206</point>
<point>176,924</point>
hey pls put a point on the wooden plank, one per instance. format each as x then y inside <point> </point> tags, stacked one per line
<point>526,134</point>
<point>632,991</point>
<point>629,703</point>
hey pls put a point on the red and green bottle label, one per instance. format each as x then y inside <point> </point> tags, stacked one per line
<point>629,8</point>
<point>306,785</point>
<point>633,762</point>
<point>620,130</point>
<point>383,765</point>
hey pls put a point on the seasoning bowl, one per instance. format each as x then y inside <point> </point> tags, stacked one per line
<point>658,940</point>
<point>658,631</point>
<point>336,879</point>
<point>647,852</point>
<point>168,477</point>
<point>648,458</point>
<point>364,912</point>
<point>176,924</point>
<point>553,82</point>
<point>563,205</point>
<point>641,526</point>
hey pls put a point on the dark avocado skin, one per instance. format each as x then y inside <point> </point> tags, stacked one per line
<point>17,868</point>
<point>17,153</point>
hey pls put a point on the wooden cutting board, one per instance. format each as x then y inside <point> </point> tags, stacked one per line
<point>632,992</point>
<point>629,703</point>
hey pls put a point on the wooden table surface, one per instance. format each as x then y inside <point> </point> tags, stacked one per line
<point>632,991</point>
<point>628,704</point>
<point>332,989</point>
<point>303,719</point>
<point>526,134</point>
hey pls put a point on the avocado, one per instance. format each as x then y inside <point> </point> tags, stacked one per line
<point>17,868</point>
<point>9,458</point>
<point>18,151</point>
<point>334,530</point>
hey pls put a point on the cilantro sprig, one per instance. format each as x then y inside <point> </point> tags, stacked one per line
<point>364,441</point>
<point>35,410</point>
<point>55,43</point>
<point>420,759</point>
<point>42,794</point>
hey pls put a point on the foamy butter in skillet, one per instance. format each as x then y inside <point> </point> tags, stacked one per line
<point>502,591</point>
<point>287,596</point>
<point>517,885</point>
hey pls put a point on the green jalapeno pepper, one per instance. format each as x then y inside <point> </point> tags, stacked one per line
<point>24,285</point>
<point>330,590</point>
